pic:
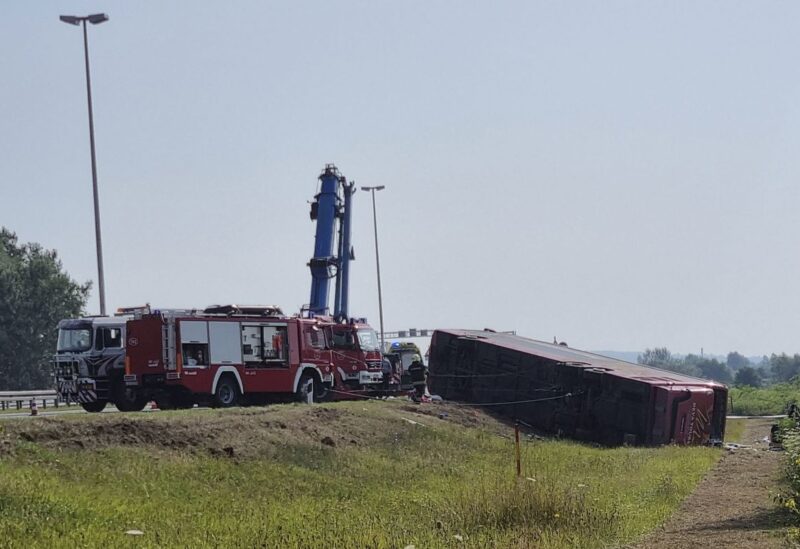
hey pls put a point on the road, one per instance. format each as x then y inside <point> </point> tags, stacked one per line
<point>25,413</point>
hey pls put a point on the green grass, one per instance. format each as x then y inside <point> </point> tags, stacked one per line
<point>734,430</point>
<point>763,401</point>
<point>412,484</point>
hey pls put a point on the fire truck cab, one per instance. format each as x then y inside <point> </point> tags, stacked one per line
<point>224,355</point>
<point>89,362</point>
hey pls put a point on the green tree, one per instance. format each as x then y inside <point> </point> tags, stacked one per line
<point>660,357</point>
<point>714,369</point>
<point>35,293</point>
<point>736,361</point>
<point>747,375</point>
<point>784,367</point>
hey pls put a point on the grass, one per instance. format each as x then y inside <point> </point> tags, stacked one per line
<point>423,485</point>
<point>763,401</point>
<point>789,498</point>
<point>734,430</point>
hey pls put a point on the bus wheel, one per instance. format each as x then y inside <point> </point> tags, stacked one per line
<point>94,407</point>
<point>227,393</point>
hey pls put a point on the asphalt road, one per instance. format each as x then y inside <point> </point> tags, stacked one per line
<point>61,411</point>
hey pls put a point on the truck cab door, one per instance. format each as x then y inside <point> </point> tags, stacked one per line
<point>343,349</point>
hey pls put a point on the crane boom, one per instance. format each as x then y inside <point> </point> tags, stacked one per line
<point>332,211</point>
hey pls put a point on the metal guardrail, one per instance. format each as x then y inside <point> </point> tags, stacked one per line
<point>422,332</point>
<point>15,399</point>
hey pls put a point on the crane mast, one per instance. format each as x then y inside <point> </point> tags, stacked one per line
<point>332,211</point>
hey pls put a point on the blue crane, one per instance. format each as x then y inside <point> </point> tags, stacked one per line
<point>332,211</point>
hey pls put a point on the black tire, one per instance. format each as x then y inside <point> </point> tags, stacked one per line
<point>321,391</point>
<point>94,407</point>
<point>164,403</point>
<point>227,393</point>
<point>127,399</point>
<point>183,401</point>
<point>310,382</point>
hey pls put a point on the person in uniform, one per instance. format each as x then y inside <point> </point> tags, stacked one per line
<point>419,375</point>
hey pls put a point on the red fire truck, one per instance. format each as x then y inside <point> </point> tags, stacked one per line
<point>224,355</point>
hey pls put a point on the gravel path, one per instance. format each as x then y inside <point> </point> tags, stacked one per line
<point>733,506</point>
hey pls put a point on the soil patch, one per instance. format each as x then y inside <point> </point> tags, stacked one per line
<point>236,433</point>
<point>733,506</point>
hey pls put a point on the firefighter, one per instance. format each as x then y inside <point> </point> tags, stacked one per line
<point>386,368</point>
<point>419,375</point>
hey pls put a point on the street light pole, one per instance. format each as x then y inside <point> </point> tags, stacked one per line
<point>94,19</point>
<point>377,255</point>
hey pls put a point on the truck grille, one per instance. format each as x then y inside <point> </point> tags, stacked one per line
<point>66,368</point>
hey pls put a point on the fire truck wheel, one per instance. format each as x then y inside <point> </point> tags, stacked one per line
<point>128,400</point>
<point>96,406</point>
<point>227,393</point>
<point>310,383</point>
<point>164,403</point>
<point>321,392</point>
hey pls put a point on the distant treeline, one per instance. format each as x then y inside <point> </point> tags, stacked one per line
<point>737,369</point>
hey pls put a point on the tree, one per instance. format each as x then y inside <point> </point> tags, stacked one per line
<point>784,367</point>
<point>35,293</point>
<point>660,357</point>
<point>736,361</point>
<point>747,375</point>
<point>714,369</point>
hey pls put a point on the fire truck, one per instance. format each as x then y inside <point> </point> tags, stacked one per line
<point>224,353</point>
<point>228,355</point>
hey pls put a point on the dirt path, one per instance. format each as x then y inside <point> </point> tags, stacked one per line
<point>732,506</point>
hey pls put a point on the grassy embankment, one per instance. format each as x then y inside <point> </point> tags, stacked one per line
<point>763,401</point>
<point>393,483</point>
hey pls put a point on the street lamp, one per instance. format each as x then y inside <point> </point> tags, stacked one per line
<point>377,257</point>
<point>94,19</point>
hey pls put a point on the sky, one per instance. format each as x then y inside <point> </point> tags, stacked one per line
<point>619,175</point>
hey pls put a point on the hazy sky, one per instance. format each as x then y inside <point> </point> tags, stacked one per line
<point>618,174</point>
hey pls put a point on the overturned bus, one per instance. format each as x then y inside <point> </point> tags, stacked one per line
<point>575,393</point>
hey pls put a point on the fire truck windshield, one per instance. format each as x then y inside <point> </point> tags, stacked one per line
<point>74,339</point>
<point>368,340</point>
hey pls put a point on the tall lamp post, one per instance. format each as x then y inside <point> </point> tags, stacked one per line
<point>377,256</point>
<point>94,19</point>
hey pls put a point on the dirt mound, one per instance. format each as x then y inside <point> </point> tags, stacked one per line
<point>468,416</point>
<point>235,433</point>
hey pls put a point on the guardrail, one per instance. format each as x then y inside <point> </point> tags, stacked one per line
<point>10,399</point>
